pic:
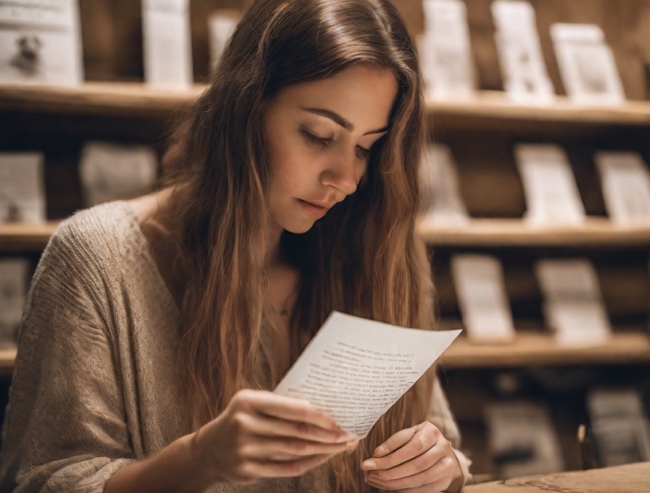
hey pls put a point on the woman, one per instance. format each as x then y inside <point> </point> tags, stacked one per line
<point>155,328</point>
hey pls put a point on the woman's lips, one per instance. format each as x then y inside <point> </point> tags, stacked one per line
<point>312,209</point>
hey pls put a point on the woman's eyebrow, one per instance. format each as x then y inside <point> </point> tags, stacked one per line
<point>336,118</point>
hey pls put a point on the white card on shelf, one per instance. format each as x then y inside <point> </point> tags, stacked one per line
<point>440,188</point>
<point>221,25</point>
<point>520,54</point>
<point>552,195</point>
<point>112,172</point>
<point>167,44</point>
<point>40,43</point>
<point>22,187</point>
<point>446,54</point>
<point>482,299</point>
<point>587,64</point>
<point>626,186</point>
<point>620,426</point>
<point>522,439</point>
<point>573,304</point>
<point>355,369</point>
<point>13,291</point>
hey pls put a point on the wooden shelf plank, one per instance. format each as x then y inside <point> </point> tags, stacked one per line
<point>20,236</point>
<point>133,99</point>
<point>534,349</point>
<point>595,232</point>
<point>495,105</point>
<point>527,350</point>
<point>126,99</point>
<point>7,359</point>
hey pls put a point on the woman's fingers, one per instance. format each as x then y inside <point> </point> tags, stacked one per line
<point>270,426</point>
<point>411,467</point>
<point>266,469</point>
<point>282,449</point>
<point>286,408</point>
<point>436,478</point>
<point>422,438</point>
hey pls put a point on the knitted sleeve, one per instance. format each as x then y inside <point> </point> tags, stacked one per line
<point>65,427</point>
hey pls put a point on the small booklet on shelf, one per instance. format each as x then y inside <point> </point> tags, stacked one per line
<point>620,426</point>
<point>520,54</point>
<point>552,195</point>
<point>482,298</point>
<point>40,43</point>
<point>22,187</point>
<point>587,64</point>
<point>221,25</point>
<point>113,172</point>
<point>626,186</point>
<point>355,369</point>
<point>13,290</point>
<point>445,49</point>
<point>573,304</point>
<point>440,188</point>
<point>522,439</point>
<point>167,44</point>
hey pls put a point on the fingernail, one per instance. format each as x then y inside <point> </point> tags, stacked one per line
<point>369,464</point>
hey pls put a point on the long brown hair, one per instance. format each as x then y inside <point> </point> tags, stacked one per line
<point>363,258</point>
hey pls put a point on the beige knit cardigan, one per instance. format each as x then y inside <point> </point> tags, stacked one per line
<point>94,385</point>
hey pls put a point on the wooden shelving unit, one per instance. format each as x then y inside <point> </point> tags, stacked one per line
<point>530,349</point>
<point>133,99</point>
<point>595,232</point>
<point>7,359</point>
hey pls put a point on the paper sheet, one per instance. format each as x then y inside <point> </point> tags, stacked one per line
<point>626,186</point>
<point>13,292</point>
<point>355,369</point>
<point>482,297</point>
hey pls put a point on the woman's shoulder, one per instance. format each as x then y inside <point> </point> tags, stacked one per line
<point>99,229</point>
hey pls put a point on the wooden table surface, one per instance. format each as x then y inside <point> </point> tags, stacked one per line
<point>633,478</point>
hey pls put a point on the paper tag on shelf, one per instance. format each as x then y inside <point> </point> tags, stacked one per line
<point>439,187</point>
<point>626,186</point>
<point>587,64</point>
<point>573,304</point>
<point>40,43</point>
<point>445,50</point>
<point>552,195</point>
<point>522,439</point>
<point>620,426</point>
<point>481,293</point>
<point>112,172</point>
<point>22,187</point>
<point>13,291</point>
<point>167,44</point>
<point>520,52</point>
<point>221,25</point>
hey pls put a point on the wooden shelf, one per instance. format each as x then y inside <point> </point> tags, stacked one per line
<point>134,99</point>
<point>595,232</point>
<point>527,350</point>
<point>531,349</point>
<point>495,105</point>
<point>18,236</point>
<point>98,98</point>
<point>7,360</point>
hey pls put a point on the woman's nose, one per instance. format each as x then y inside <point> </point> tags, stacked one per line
<point>343,173</point>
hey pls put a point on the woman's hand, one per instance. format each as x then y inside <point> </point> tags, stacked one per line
<point>264,435</point>
<point>415,460</point>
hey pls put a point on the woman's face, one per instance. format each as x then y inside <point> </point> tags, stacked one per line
<point>318,136</point>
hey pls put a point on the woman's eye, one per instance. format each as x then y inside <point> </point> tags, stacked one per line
<point>363,153</point>
<point>314,140</point>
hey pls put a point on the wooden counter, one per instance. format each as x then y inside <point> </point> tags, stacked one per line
<point>633,478</point>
